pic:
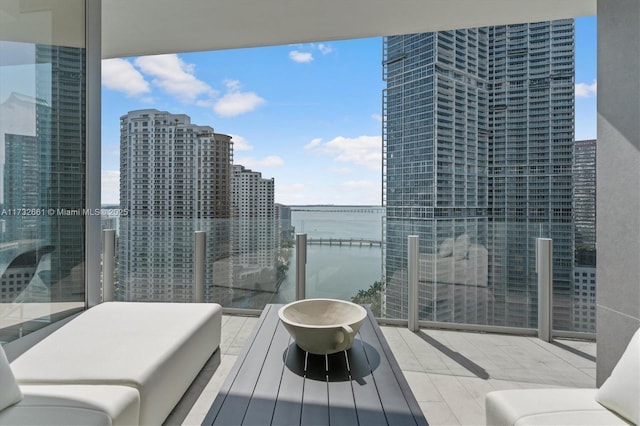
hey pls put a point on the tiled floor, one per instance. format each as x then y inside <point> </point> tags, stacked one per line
<point>449,372</point>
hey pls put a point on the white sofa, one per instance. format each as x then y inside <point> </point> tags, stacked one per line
<point>617,402</point>
<point>115,364</point>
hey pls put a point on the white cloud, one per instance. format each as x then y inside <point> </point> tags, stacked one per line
<point>585,90</point>
<point>110,187</point>
<point>176,77</point>
<point>362,150</point>
<point>232,85</point>
<point>377,117</point>
<point>302,52</point>
<point>120,75</point>
<point>260,163</point>
<point>300,57</point>
<point>297,193</point>
<point>235,102</point>
<point>325,49</point>
<point>314,143</point>
<point>240,143</point>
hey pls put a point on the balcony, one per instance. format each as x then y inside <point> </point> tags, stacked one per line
<point>449,372</point>
<point>618,219</point>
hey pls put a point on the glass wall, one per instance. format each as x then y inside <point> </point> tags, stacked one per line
<point>42,163</point>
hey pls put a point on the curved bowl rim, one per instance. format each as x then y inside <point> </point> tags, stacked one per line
<point>362,310</point>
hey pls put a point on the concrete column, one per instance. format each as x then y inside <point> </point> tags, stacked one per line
<point>618,180</point>
<point>544,269</point>
<point>108,264</point>
<point>301,266</point>
<point>199,265</point>
<point>93,19</point>
<point>413,244</point>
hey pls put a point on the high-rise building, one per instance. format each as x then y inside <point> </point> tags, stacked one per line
<point>22,186</point>
<point>584,298</point>
<point>584,201</point>
<point>254,231</point>
<point>584,219</point>
<point>285,229</point>
<point>174,180</point>
<point>61,130</point>
<point>478,137</point>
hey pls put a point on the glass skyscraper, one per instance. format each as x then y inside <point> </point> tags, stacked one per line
<point>584,201</point>
<point>584,220</point>
<point>478,137</point>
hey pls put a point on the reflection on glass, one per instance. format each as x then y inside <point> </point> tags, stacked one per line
<point>245,272</point>
<point>481,273</point>
<point>256,266</point>
<point>42,164</point>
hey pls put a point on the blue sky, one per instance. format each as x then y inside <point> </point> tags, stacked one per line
<point>307,115</point>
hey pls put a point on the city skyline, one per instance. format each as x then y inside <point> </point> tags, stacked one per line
<point>307,115</point>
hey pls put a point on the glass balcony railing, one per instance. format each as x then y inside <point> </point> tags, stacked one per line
<point>470,272</point>
<point>249,263</point>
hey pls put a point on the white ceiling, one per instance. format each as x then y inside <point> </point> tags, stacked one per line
<point>145,27</point>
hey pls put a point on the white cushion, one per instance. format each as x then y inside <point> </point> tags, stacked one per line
<point>544,406</point>
<point>621,391</point>
<point>18,415</point>
<point>572,418</point>
<point>446,248</point>
<point>461,247</point>
<point>74,405</point>
<point>9,390</point>
<point>157,348</point>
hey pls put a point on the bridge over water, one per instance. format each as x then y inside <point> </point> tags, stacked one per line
<point>350,242</point>
<point>341,210</point>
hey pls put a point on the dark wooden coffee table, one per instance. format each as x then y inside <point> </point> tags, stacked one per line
<point>275,382</point>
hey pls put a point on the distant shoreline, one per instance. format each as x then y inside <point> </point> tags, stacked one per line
<point>290,205</point>
<point>334,205</point>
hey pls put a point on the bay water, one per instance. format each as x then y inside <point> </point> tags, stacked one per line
<point>336,271</point>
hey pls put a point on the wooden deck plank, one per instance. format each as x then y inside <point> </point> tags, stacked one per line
<point>240,392</point>
<point>393,399</point>
<point>315,400</point>
<point>368,406</point>
<point>342,405</point>
<point>226,385</point>
<point>289,404</point>
<point>409,397</point>
<point>263,400</point>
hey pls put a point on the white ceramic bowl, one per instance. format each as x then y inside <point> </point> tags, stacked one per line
<point>322,326</point>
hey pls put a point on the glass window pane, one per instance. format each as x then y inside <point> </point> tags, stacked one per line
<point>42,163</point>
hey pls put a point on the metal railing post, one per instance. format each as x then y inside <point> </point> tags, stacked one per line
<point>108,263</point>
<point>544,268</point>
<point>200,253</point>
<point>301,266</point>
<point>412,268</point>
